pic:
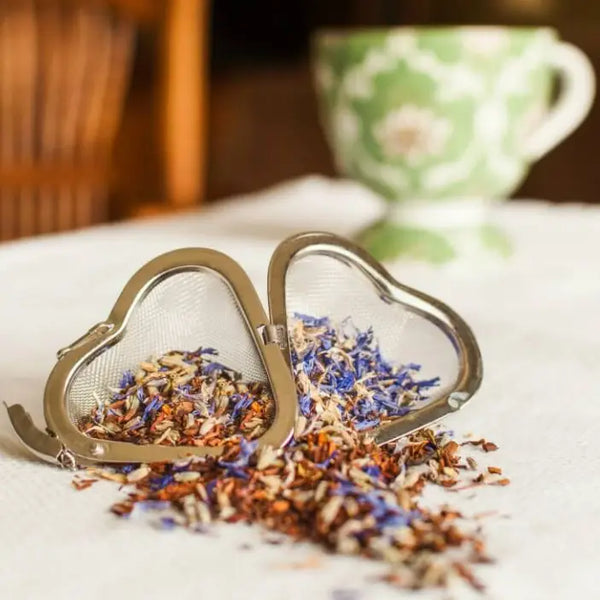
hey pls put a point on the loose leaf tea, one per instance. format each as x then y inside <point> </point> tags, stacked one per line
<point>332,484</point>
<point>182,399</point>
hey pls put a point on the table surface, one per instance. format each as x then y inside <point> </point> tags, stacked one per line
<point>537,319</point>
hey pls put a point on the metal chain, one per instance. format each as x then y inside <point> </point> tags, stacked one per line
<point>66,459</point>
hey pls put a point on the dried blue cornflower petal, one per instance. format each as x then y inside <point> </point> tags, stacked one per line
<point>247,449</point>
<point>360,425</point>
<point>385,513</point>
<point>208,351</point>
<point>160,482</point>
<point>128,468</point>
<point>213,367</point>
<point>241,405</point>
<point>154,405</point>
<point>372,471</point>
<point>127,380</point>
<point>305,403</point>
<point>325,464</point>
<point>427,383</point>
<point>346,488</point>
<point>167,523</point>
<point>148,505</point>
<point>235,467</point>
<point>312,321</point>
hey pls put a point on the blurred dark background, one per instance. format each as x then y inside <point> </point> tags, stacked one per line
<point>121,108</point>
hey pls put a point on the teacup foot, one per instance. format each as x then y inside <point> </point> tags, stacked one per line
<point>387,240</point>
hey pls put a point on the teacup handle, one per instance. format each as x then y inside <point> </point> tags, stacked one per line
<point>574,103</point>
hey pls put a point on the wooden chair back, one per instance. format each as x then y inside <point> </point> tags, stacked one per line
<point>64,69</point>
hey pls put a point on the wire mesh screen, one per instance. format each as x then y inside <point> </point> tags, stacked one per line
<point>184,311</point>
<point>324,285</point>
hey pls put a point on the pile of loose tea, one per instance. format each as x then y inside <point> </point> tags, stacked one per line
<point>182,399</point>
<point>332,484</point>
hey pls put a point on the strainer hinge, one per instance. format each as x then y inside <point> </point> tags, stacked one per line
<point>273,334</point>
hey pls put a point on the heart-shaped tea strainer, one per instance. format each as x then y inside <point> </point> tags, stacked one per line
<point>199,296</point>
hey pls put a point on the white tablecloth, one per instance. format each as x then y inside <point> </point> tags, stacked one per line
<point>537,317</point>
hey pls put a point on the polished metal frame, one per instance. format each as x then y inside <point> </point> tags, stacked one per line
<point>470,370</point>
<point>83,449</point>
<point>64,444</point>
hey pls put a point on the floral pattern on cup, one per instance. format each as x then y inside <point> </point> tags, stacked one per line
<point>413,133</point>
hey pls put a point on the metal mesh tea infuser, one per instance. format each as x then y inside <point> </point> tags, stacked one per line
<point>198,296</point>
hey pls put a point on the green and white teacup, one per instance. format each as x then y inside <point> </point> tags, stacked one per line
<point>444,121</point>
